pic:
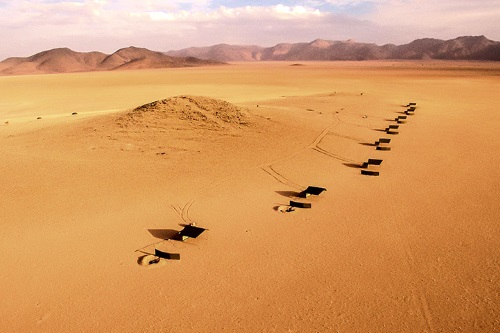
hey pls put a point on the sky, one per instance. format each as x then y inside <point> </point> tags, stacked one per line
<point>31,26</point>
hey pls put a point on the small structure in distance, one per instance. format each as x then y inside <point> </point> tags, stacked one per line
<point>392,129</point>
<point>189,231</point>
<point>410,111</point>
<point>383,144</point>
<point>372,167</point>
<point>300,204</point>
<point>311,190</point>
<point>166,255</point>
<point>401,119</point>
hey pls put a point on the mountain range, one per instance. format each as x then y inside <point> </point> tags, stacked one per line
<point>63,60</point>
<point>461,48</point>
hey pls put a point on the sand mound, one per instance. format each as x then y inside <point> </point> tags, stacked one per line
<point>175,125</point>
<point>195,111</point>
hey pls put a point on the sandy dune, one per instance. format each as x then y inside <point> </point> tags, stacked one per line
<point>85,197</point>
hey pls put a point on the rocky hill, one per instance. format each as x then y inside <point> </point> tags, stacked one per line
<point>64,60</point>
<point>461,48</point>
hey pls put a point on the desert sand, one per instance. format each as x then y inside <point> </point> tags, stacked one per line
<point>86,196</point>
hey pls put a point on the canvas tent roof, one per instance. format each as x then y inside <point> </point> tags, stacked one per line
<point>190,231</point>
<point>374,161</point>
<point>314,190</point>
<point>300,204</point>
<point>166,255</point>
<point>370,172</point>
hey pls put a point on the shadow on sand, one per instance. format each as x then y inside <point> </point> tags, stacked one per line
<point>163,233</point>
<point>288,194</point>
<point>353,165</point>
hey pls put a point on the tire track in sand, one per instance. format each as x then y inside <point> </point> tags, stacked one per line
<point>268,167</point>
<point>416,286</point>
<point>417,290</point>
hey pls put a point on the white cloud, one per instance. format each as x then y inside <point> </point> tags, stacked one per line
<point>278,12</point>
<point>440,19</point>
<point>296,11</point>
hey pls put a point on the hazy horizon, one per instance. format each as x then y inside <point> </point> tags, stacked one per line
<point>32,26</point>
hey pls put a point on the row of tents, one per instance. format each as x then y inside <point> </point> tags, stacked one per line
<point>372,166</point>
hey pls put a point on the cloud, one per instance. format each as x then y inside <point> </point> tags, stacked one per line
<point>439,19</point>
<point>277,12</point>
<point>433,12</point>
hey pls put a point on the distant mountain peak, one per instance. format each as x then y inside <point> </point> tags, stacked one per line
<point>320,43</point>
<point>64,60</point>
<point>460,48</point>
<point>481,37</point>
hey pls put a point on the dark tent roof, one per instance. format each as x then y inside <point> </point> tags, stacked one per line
<point>314,190</point>
<point>300,204</point>
<point>191,231</point>
<point>384,140</point>
<point>370,172</point>
<point>166,255</point>
<point>393,126</point>
<point>374,161</point>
